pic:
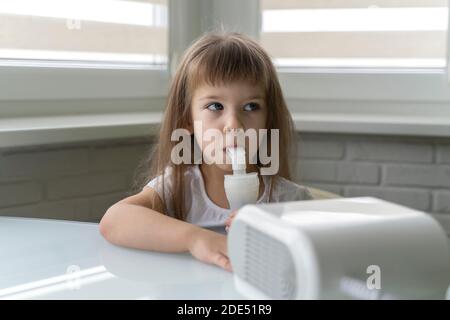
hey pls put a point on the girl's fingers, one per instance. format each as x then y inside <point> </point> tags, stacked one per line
<point>223,262</point>
<point>230,218</point>
<point>228,266</point>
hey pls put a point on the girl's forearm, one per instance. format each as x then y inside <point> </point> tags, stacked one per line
<point>143,228</point>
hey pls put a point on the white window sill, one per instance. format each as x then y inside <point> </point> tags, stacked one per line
<point>373,124</point>
<point>16,132</point>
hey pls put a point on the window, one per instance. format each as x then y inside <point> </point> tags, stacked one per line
<point>84,32</point>
<point>355,33</point>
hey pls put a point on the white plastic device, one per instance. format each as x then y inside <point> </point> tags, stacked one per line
<point>241,188</point>
<point>347,248</point>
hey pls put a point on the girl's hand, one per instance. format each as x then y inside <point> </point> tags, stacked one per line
<point>210,247</point>
<point>230,220</point>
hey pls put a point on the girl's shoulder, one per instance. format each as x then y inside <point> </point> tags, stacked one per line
<point>191,173</point>
<point>287,190</point>
<point>163,184</point>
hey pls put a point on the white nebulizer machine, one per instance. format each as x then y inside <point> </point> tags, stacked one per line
<point>346,248</point>
<point>241,188</point>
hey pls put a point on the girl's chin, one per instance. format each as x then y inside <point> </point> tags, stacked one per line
<point>224,167</point>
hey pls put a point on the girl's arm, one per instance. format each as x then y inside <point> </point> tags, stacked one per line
<point>134,222</point>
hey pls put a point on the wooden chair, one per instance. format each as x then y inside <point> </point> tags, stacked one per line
<point>322,194</point>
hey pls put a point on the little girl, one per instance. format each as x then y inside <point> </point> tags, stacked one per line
<point>224,82</point>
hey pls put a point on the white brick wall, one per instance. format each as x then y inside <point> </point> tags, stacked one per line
<point>338,171</point>
<point>71,181</point>
<point>417,175</point>
<point>415,198</point>
<point>411,171</point>
<point>441,201</point>
<point>443,153</point>
<point>389,151</point>
<point>80,181</point>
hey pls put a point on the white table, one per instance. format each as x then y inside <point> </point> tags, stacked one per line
<point>52,259</point>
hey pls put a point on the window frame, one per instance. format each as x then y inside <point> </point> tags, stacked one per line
<point>341,100</point>
<point>66,80</point>
<point>394,86</point>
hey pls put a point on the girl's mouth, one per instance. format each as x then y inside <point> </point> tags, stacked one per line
<point>230,146</point>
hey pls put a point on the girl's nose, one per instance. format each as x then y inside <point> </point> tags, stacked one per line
<point>233,123</point>
<point>233,135</point>
<point>229,130</point>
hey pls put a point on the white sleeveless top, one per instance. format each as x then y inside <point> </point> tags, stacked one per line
<point>202,211</point>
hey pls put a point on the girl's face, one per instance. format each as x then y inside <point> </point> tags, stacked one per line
<point>232,106</point>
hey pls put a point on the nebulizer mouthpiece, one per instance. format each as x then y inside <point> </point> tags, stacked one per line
<point>241,188</point>
<point>237,156</point>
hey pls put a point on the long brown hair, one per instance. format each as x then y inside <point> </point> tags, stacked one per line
<point>215,58</point>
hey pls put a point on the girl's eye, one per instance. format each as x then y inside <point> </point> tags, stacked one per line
<point>251,106</point>
<point>215,106</point>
